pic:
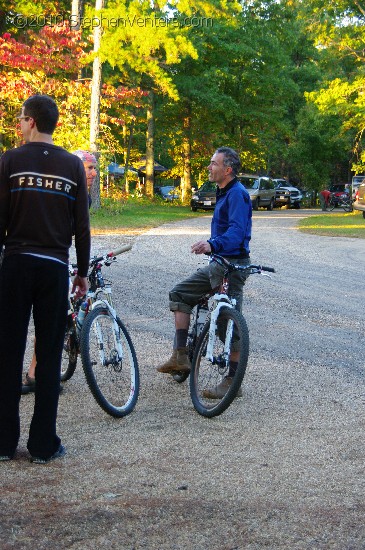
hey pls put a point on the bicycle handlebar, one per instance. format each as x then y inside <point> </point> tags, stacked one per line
<point>120,250</point>
<point>109,256</point>
<point>234,267</point>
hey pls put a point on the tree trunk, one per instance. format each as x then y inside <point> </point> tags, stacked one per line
<point>128,153</point>
<point>77,9</point>
<point>95,105</point>
<point>186,179</point>
<point>150,155</point>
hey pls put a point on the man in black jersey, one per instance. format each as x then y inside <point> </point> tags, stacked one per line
<point>89,162</point>
<point>43,199</point>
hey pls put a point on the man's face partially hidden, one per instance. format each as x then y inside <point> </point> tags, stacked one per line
<point>90,171</point>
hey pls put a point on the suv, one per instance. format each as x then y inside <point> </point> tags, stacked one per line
<point>286,194</point>
<point>261,190</point>
<point>359,203</point>
<point>204,198</point>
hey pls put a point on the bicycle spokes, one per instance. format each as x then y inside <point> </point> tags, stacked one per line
<point>110,362</point>
<point>212,385</point>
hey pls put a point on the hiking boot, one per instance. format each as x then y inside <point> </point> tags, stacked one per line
<point>219,391</point>
<point>178,362</point>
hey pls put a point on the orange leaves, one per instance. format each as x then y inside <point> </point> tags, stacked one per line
<point>15,54</point>
<point>117,121</point>
<point>48,60</point>
<point>52,49</point>
<point>128,96</point>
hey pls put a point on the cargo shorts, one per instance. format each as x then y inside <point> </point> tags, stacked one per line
<point>187,294</point>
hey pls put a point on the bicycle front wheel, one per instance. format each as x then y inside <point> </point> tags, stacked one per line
<point>213,386</point>
<point>69,353</point>
<point>347,206</point>
<point>109,362</point>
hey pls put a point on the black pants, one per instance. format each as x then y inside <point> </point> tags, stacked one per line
<point>25,282</point>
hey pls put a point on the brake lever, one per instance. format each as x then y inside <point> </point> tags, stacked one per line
<point>265,275</point>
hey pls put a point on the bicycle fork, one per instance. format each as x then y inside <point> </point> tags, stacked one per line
<point>213,327</point>
<point>116,355</point>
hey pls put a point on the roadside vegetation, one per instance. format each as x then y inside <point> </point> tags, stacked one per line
<point>136,215</point>
<point>335,224</point>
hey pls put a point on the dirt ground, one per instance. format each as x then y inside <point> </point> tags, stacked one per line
<point>282,468</point>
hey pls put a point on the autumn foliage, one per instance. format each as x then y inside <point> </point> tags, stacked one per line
<point>51,61</point>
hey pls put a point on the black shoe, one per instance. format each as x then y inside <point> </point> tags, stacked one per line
<point>6,458</point>
<point>29,385</point>
<point>61,451</point>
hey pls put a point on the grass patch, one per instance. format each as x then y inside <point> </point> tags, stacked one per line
<point>335,224</point>
<point>134,216</point>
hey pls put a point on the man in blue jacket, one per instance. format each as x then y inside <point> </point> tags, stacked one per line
<point>230,237</point>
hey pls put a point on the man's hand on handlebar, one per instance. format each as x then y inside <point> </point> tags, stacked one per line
<point>201,247</point>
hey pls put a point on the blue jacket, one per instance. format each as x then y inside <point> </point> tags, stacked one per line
<point>232,221</point>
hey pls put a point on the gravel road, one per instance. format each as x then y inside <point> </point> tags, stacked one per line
<point>282,468</point>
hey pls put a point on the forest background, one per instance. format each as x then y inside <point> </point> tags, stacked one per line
<point>140,82</point>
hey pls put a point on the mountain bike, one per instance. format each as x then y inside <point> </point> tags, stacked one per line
<point>95,332</point>
<point>216,330</point>
<point>344,201</point>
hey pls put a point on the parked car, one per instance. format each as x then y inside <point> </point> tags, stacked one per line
<point>359,203</point>
<point>356,182</point>
<point>261,190</point>
<point>204,198</point>
<point>286,194</point>
<point>167,192</point>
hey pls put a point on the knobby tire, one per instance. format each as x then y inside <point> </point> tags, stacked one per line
<point>206,376</point>
<point>115,385</point>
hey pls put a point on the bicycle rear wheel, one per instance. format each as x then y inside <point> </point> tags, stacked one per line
<point>330,206</point>
<point>69,353</point>
<point>210,391</point>
<point>109,362</point>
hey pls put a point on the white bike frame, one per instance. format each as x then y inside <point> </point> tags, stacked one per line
<point>113,313</point>
<point>221,300</point>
